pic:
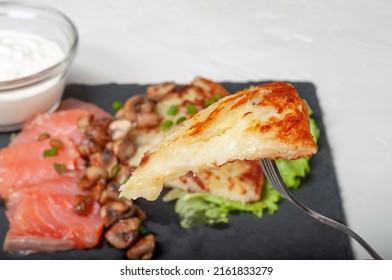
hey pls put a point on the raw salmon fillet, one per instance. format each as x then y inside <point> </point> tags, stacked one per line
<point>42,219</point>
<point>73,103</point>
<point>24,165</point>
<point>61,123</point>
<point>40,200</point>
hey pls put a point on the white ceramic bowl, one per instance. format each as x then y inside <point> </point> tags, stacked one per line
<point>41,91</point>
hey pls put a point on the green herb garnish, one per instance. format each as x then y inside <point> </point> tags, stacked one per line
<point>60,167</point>
<point>56,144</point>
<point>180,120</point>
<point>142,229</point>
<point>212,99</point>
<point>117,105</point>
<point>190,109</point>
<point>166,125</point>
<point>172,110</point>
<point>43,136</point>
<point>50,153</point>
<point>115,171</point>
<point>125,181</point>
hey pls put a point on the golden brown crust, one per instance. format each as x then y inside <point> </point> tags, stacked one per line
<point>292,129</point>
<point>266,121</point>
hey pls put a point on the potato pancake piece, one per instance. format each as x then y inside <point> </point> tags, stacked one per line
<point>267,121</point>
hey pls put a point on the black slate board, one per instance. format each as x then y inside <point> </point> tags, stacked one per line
<point>287,234</point>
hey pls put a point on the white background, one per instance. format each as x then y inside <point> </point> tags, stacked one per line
<point>343,47</point>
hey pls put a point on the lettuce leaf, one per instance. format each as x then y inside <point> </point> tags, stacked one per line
<point>202,208</point>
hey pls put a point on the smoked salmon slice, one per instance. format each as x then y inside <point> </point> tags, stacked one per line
<point>24,165</point>
<point>39,175</point>
<point>73,103</point>
<point>60,123</point>
<point>42,219</point>
<point>63,122</point>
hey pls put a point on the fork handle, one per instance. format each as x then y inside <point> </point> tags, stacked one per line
<point>336,225</point>
<point>270,167</point>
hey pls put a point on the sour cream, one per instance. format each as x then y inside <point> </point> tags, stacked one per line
<point>23,55</point>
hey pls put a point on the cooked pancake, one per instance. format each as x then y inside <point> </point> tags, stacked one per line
<point>240,180</point>
<point>267,121</point>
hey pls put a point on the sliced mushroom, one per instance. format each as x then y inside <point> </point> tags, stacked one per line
<point>157,92</point>
<point>140,213</point>
<point>91,175</point>
<point>113,186</point>
<point>111,193</point>
<point>132,107</point>
<point>88,147</point>
<point>110,160</point>
<point>143,249</point>
<point>96,172</point>
<point>97,131</point>
<point>85,183</point>
<point>116,210</point>
<point>148,120</point>
<point>96,159</point>
<point>147,107</point>
<point>123,149</point>
<point>108,196</point>
<point>124,173</point>
<point>124,233</point>
<point>84,122</point>
<point>98,188</point>
<point>139,111</point>
<point>119,129</point>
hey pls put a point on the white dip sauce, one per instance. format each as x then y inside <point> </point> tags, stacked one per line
<point>21,55</point>
<point>24,54</point>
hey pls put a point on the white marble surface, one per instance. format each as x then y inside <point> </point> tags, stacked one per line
<point>343,47</point>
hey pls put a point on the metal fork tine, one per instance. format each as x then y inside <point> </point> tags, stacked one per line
<point>272,173</point>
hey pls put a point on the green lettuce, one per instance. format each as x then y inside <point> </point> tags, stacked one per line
<point>203,208</point>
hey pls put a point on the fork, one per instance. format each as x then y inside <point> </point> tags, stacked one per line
<point>273,175</point>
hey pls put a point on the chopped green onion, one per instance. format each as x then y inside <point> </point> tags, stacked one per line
<point>60,167</point>
<point>208,102</point>
<point>12,136</point>
<point>43,136</point>
<point>142,229</point>
<point>190,109</point>
<point>115,171</point>
<point>117,105</point>
<point>180,120</point>
<point>172,110</point>
<point>166,125</point>
<point>56,144</point>
<point>212,99</point>
<point>50,153</point>
<point>125,180</point>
